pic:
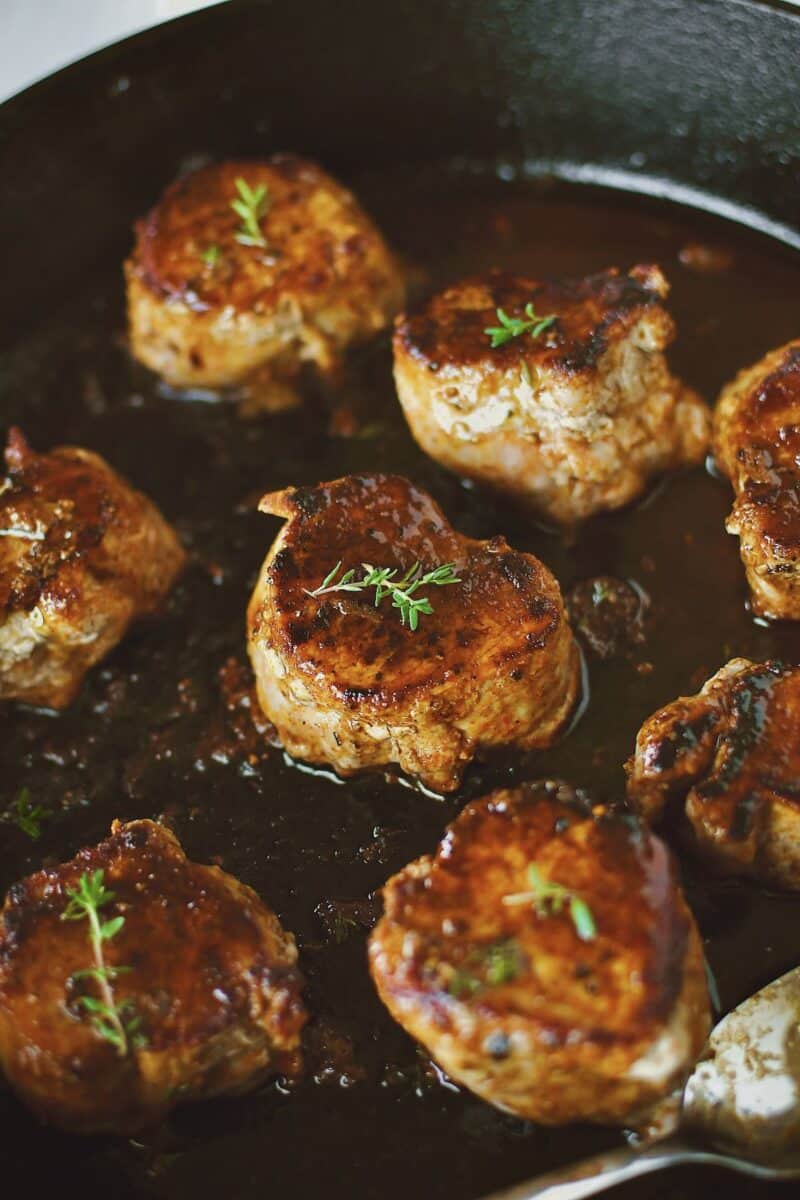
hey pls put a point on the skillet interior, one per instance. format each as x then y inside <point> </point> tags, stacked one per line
<point>377,1120</point>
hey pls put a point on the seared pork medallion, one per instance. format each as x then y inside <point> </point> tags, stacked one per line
<point>730,757</point>
<point>82,555</point>
<point>757,445</point>
<point>132,979</point>
<point>546,958</point>
<point>379,635</point>
<point>246,270</point>
<point>556,393</point>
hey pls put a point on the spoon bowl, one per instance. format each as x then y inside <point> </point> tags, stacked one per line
<point>740,1107</point>
<point>744,1093</point>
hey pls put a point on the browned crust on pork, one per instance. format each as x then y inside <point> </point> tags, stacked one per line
<point>324,279</point>
<point>559,1039</point>
<point>502,626</point>
<point>82,554</point>
<point>757,445</point>
<point>591,313</point>
<point>212,976</point>
<point>730,757</point>
<point>570,422</point>
<point>366,657</point>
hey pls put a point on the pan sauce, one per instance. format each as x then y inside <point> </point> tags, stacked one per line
<point>150,735</point>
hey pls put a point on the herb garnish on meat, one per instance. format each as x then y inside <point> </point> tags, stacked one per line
<point>385,582</point>
<point>117,1023</point>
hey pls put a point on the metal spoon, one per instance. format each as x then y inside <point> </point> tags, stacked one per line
<point>742,1103</point>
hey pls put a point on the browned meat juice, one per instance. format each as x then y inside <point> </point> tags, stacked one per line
<point>159,731</point>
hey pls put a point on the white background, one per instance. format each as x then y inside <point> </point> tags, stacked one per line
<point>39,36</point>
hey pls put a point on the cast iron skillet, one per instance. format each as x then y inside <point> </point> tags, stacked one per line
<point>694,100</point>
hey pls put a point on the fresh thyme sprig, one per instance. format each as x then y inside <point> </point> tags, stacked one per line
<point>117,1023</point>
<point>250,206</point>
<point>27,816</point>
<point>487,966</point>
<point>385,582</point>
<point>463,983</point>
<point>512,327</point>
<point>600,592</point>
<point>549,899</point>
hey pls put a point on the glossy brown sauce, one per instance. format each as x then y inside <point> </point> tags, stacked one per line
<point>372,1117</point>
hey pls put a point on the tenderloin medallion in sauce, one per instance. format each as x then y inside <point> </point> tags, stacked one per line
<point>244,271</point>
<point>557,394</point>
<point>464,646</point>
<point>729,758</point>
<point>545,957</point>
<point>185,988</point>
<point>757,445</point>
<point>82,556</point>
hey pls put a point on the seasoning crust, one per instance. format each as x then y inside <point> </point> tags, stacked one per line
<point>211,974</point>
<point>757,445</point>
<point>570,1027</point>
<point>210,312</point>
<point>346,683</point>
<point>571,422</point>
<point>727,758</point>
<point>82,555</point>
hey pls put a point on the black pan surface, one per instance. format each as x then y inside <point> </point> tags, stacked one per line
<point>151,734</point>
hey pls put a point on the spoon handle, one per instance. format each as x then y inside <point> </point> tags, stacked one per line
<point>601,1171</point>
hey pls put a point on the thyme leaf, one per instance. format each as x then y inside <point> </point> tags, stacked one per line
<point>385,582</point>
<point>250,206</point>
<point>600,592</point>
<point>513,327</point>
<point>549,899</point>
<point>117,1023</point>
<point>27,816</point>
<point>487,966</point>
<point>463,983</point>
<point>211,255</point>
<point>502,963</point>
